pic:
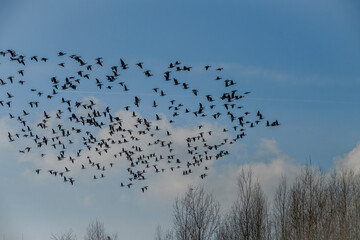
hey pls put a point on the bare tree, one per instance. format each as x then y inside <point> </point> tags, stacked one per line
<point>158,233</point>
<point>316,205</point>
<point>248,218</point>
<point>308,204</point>
<point>161,235</point>
<point>281,220</point>
<point>96,231</point>
<point>64,236</point>
<point>346,204</point>
<point>114,236</point>
<point>196,215</point>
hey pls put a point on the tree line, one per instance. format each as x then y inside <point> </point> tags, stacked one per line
<point>94,231</point>
<point>315,206</point>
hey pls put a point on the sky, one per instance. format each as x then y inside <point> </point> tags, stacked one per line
<point>299,59</point>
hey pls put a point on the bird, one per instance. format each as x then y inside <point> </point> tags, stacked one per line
<point>98,61</point>
<point>140,64</point>
<point>72,131</point>
<point>123,65</point>
<point>147,73</point>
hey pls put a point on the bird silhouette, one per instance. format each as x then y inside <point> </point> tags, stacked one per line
<point>146,144</point>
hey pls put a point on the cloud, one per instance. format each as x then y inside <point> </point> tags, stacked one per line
<point>268,171</point>
<point>222,181</point>
<point>268,163</point>
<point>6,126</point>
<point>169,140</point>
<point>274,75</point>
<point>350,160</point>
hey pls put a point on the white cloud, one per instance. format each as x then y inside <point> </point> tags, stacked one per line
<point>178,138</point>
<point>6,126</point>
<point>268,163</point>
<point>273,75</point>
<point>350,160</point>
<point>222,181</point>
<point>268,172</point>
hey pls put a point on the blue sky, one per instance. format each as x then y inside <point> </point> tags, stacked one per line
<point>299,59</point>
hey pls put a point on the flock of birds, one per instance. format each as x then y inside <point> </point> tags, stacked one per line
<point>71,132</point>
